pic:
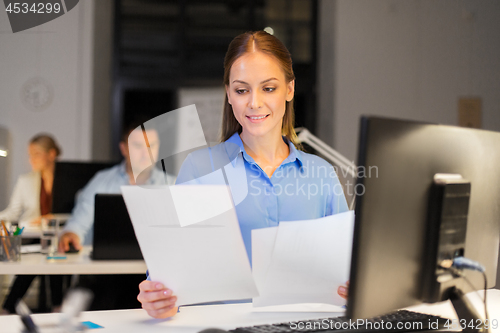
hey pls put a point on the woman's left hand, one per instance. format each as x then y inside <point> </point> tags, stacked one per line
<point>343,291</point>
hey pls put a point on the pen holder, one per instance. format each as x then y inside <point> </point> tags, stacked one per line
<point>10,248</point>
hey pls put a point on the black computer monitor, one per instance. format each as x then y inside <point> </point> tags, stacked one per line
<point>69,178</point>
<point>398,161</point>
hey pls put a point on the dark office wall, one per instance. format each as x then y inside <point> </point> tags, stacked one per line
<point>413,59</point>
<point>165,46</point>
<point>60,52</point>
<point>102,79</point>
<point>326,71</point>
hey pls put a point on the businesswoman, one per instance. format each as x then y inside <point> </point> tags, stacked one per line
<point>32,196</point>
<point>30,201</point>
<point>270,180</point>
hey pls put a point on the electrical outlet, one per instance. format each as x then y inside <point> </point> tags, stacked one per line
<point>469,112</point>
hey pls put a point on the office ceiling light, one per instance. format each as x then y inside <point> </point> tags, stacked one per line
<point>3,153</point>
<point>269,30</point>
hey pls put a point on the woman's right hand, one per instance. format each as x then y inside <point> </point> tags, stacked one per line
<point>157,300</point>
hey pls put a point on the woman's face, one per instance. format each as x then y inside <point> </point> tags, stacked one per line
<point>40,159</point>
<point>258,93</point>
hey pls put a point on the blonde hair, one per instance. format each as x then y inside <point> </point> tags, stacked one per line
<point>47,142</point>
<point>268,44</point>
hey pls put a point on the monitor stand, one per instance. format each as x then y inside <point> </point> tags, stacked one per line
<point>466,312</point>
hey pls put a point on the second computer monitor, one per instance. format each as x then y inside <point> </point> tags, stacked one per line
<point>398,160</point>
<point>69,178</point>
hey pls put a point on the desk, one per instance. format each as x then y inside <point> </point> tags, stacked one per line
<point>228,316</point>
<point>76,263</point>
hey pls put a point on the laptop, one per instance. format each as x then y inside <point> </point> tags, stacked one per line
<point>114,236</point>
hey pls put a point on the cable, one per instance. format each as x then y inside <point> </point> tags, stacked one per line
<point>484,297</point>
<point>460,263</point>
<point>485,287</point>
<point>465,263</point>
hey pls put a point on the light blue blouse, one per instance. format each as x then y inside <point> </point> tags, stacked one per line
<point>303,187</point>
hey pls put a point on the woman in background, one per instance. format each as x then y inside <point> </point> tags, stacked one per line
<point>30,202</point>
<point>32,196</point>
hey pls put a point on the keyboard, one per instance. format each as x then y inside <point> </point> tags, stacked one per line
<point>399,321</point>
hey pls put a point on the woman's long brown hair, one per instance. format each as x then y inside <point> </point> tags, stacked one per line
<point>263,42</point>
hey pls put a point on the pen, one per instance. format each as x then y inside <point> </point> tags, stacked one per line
<point>25,313</point>
<point>18,231</point>
<point>6,240</point>
<point>7,233</point>
<point>4,243</point>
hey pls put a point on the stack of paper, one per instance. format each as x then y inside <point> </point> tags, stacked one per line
<point>191,241</point>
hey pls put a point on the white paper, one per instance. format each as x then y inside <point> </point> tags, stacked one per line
<point>310,260</point>
<point>200,262</point>
<point>262,252</point>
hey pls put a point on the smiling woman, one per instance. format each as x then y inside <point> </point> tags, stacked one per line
<point>260,87</point>
<point>258,93</point>
<point>258,56</point>
<point>270,179</point>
